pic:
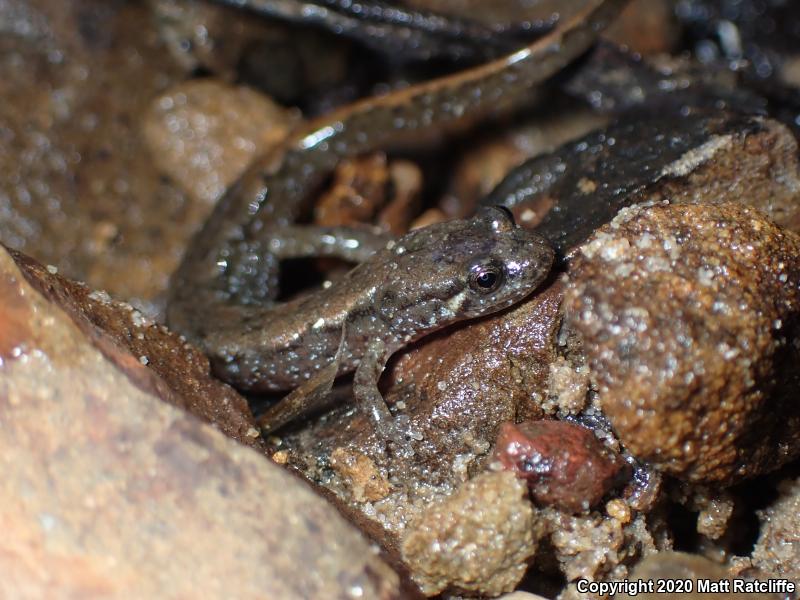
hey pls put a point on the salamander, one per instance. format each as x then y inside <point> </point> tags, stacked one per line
<point>223,296</point>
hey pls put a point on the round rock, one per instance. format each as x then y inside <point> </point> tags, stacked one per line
<point>565,465</point>
<point>688,316</point>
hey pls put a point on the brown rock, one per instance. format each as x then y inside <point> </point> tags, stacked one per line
<point>204,133</point>
<point>676,568</point>
<point>459,386</point>
<point>107,491</point>
<point>777,551</point>
<point>477,541</point>
<point>565,465</point>
<point>77,187</point>
<point>687,316</point>
<point>714,508</point>
<point>646,27</point>
<point>162,361</point>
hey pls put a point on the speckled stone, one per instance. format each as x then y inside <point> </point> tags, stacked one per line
<point>78,188</point>
<point>689,316</point>
<point>777,551</point>
<point>202,134</point>
<point>477,540</point>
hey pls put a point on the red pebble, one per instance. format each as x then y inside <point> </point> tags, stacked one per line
<point>565,464</point>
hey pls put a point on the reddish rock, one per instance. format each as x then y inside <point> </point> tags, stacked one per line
<point>161,361</point>
<point>565,465</point>
<point>109,491</point>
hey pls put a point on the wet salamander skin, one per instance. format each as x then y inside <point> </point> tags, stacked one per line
<point>222,296</point>
<point>417,284</point>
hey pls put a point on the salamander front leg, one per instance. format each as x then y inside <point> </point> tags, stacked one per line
<point>367,395</point>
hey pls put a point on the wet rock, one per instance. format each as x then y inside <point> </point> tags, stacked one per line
<point>714,508</point>
<point>680,566</point>
<point>109,491</point>
<point>148,352</point>
<point>458,387</point>
<point>565,465</point>
<point>367,484</point>
<point>477,540</point>
<point>714,516</point>
<point>777,551</point>
<point>646,27</point>
<point>77,186</point>
<point>599,548</point>
<point>287,63</point>
<point>203,134</point>
<point>688,316</point>
<point>569,193</point>
<point>568,387</point>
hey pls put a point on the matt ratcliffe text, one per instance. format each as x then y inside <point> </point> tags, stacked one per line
<point>634,587</point>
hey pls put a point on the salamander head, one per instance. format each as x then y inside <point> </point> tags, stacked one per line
<point>462,269</point>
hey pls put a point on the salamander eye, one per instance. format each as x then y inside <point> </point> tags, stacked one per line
<point>486,278</point>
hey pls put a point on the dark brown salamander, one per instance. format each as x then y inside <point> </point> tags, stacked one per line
<point>222,296</point>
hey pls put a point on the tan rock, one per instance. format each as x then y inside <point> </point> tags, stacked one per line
<point>204,133</point>
<point>367,483</point>
<point>478,540</point>
<point>108,491</point>
<point>147,352</point>
<point>682,569</point>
